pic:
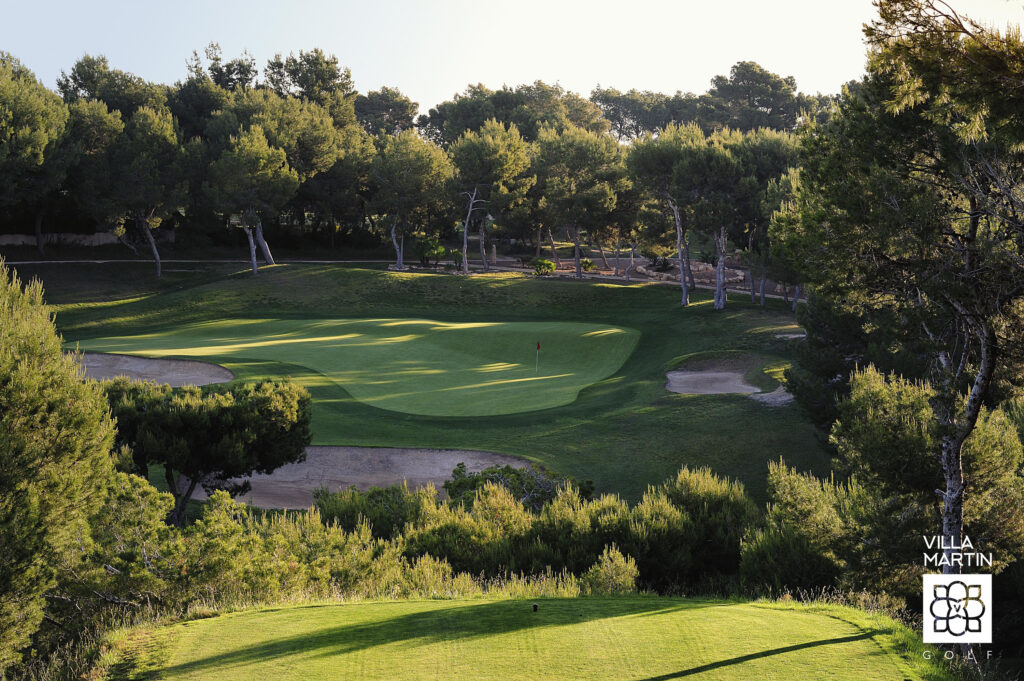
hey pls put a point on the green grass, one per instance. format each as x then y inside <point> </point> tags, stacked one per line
<point>583,638</point>
<point>414,366</point>
<point>624,431</point>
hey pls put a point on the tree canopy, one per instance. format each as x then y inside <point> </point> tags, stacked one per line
<point>55,442</point>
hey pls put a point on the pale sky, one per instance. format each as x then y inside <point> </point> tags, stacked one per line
<point>431,49</point>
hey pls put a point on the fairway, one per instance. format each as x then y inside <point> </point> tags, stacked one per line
<point>415,366</point>
<point>584,638</point>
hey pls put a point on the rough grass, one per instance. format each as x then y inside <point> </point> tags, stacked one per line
<point>623,432</point>
<point>415,366</point>
<point>641,638</point>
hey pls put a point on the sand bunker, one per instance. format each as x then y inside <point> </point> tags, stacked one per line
<point>708,383</point>
<point>176,372</point>
<point>776,398</point>
<point>292,485</point>
<point>719,382</point>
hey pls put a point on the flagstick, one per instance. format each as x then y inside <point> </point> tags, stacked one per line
<point>537,368</point>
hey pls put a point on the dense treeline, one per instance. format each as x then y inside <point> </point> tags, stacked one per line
<point>295,155</point>
<point>905,218</point>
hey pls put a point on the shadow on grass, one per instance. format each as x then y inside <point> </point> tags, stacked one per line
<point>711,666</point>
<point>426,627</point>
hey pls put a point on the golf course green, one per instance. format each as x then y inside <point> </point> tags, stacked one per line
<point>415,366</point>
<point>617,639</point>
<point>610,419</point>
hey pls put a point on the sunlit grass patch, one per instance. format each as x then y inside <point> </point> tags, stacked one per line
<point>434,371</point>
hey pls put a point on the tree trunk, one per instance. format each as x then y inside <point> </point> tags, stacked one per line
<point>796,297</point>
<point>144,226</point>
<point>604,258</point>
<point>720,244</point>
<point>785,293</point>
<point>465,233</point>
<point>554,251</point>
<point>394,240</point>
<point>181,500</point>
<point>753,286</point>
<point>632,256</point>
<point>686,259</point>
<point>40,242</point>
<point>618,252</point>
<point>576,252</point>
<point>252,249</point>
<point>483,244</point>
<point>537,243</point>
<point>961,425</point>
<point>763,280</point>
<point>682,254</point>
<point>264,248</point>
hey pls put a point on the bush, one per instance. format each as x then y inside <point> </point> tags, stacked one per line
<point>684,532</point>
<point>533,487</point>
<point>55,441</point>
<point>587,265</point>
<point>613,573</point>
<point>490,537</point>
<point>780,558</point>
<point>386,509</point>
<point>429,248</point>
<point>570,532</point>
<point>542,267</point>
<point>662,539</point>
<point>720,512</point>
<point>660,264</point>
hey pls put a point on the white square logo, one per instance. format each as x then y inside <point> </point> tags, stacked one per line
<point>957,608</point>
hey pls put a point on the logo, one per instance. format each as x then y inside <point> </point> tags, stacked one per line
<point>957,608</point>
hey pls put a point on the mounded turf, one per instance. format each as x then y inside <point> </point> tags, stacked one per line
<point>415,366</point>
<point>583,639</point>
<point>624,432</point>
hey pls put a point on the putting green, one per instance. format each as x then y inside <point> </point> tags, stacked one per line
<point>416,366</point>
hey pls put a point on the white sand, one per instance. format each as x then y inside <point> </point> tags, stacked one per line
<point>176,372</point>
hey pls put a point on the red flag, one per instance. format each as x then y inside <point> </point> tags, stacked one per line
<point>538,347</point>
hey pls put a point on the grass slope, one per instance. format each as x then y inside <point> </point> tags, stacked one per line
<point>623,432</point>
<point>584,638</point>
<point>415,366</point>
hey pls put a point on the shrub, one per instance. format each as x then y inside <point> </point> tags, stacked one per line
<point>542,267</point>
<point>491,537</point>
<point>55,441</point>
<point>429,248</point>
<point>613,573</point>
<point>720,512</point>
<point>780,558</point>
<point>587,265</point>
<point>570,532</point>
<point>532,486</point>
<point>662,539</point>
<point>386,509</point>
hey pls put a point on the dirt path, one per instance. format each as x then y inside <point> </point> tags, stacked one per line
<point>292,485</point>
<point>176,372</point>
